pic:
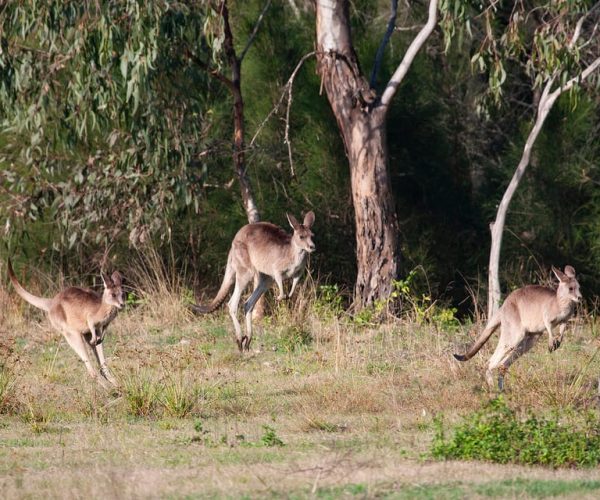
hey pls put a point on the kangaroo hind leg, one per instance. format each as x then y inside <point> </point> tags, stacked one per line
<point>241,282</point>
<point>506,353</point>
<point>75,340</point>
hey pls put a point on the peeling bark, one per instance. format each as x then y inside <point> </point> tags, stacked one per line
<point>362,125</point>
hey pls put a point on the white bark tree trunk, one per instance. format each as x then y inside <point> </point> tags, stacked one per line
<point>497,227</point>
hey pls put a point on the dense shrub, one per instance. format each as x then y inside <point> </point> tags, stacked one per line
<point>497,434</point>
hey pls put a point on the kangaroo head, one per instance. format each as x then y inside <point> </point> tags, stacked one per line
<point>302,237</point>
<point>113,292</point>
<point>568,286</point>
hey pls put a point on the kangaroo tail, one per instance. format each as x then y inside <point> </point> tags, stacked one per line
<point>483,337</point>
<point>39,302</point>
<point>226,285</point>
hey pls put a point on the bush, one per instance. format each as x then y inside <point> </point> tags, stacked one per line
<point>496,434</point>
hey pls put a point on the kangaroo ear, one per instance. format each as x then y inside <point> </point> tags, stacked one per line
<point>292,220</point>
<point>106,280</point>
<point>570,271</point>
<point>309,219</point>
<point>559,274</point>
<point>116,278</point>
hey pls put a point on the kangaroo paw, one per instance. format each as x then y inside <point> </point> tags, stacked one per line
<point>554,345</point>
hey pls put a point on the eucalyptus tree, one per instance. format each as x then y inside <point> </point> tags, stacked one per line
<point>361,113</point>
<point>557,46</point>
<point>106,115</point>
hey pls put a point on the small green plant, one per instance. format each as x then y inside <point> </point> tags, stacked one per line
<point>421,307</point>
<point>496,434</point>
<point>370,315</point>
<point>329,301</point>
<point>132,300</point>
<point>292,338</point>
<point>270,438</point>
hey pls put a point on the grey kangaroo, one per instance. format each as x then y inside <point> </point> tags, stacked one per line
<point>263,253</point>
<point>81,314</point>
<point>525,315</point>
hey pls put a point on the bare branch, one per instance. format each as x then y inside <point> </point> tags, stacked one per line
<point>287,90</point>
<point>413,49</point>
<point>384,42</point>
<point>579,25</point>
<point>255,30</point>
<point>211,71</point>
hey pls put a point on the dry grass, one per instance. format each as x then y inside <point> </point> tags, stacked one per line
<point>353,404</point>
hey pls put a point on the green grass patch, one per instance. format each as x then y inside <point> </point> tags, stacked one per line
<point>497,434</point>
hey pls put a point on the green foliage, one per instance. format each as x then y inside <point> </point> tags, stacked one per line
<point>329,301</point>
<point>270,437</point>
<point>293,337</point>
<point>496,434</point>
<point>100,101</point>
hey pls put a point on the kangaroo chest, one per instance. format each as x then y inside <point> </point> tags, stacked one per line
<point>104,317</point>
<point>295,266</point>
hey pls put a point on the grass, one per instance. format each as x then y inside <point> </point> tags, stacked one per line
<point>325,407</point>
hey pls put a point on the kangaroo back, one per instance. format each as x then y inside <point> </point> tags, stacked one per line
<point>39,302</point>
<point>226,285</point>
<point>483,337</point>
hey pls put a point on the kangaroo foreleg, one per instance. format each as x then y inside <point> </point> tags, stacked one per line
<point>279,280</point>
<point>554,344</point>
<point>94,340</point>
<point>294,283</point>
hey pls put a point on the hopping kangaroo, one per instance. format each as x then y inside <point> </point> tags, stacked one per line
<point>262,252</point>
<point>524,316</point>
<point>81,314</point>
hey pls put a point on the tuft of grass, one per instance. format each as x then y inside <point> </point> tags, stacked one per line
<point>178,396</point>
<point>7,389</point>
<point>141,390</point>
<point>496,434</point>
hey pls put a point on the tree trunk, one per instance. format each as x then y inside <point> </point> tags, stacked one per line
<point>497,227</point>
<point>239,157</point>
<point>362,126</point>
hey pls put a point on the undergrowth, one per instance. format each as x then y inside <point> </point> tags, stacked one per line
<point>497,434</point>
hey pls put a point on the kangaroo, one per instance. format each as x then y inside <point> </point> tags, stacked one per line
<point>524,316</point>
<point>262,252</point>
<point>81,314</point>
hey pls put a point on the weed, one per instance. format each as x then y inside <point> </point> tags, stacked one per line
<point>270,438</point>
<point>292,338</point>
<point>329,301</point>
<point>496,434</point>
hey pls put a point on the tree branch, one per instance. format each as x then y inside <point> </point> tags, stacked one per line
<point>211,71</point>
<point>287,89</point>
<point>413,49</point>
<point>386,38</point>
<point>255,30</point>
